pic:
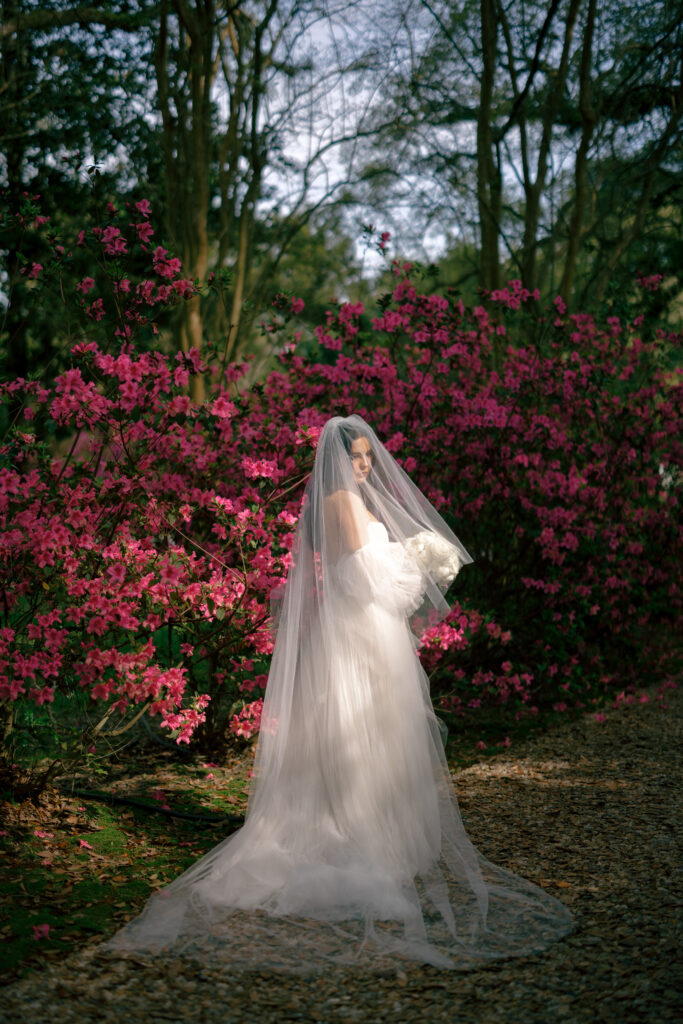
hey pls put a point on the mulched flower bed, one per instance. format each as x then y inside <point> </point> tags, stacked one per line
<point>588,810</point>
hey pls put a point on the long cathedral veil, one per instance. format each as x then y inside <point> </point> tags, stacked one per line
<point>353,849</point>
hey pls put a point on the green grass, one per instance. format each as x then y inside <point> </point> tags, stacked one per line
<point>85,893</point>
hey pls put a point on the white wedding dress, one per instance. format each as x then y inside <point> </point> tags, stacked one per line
<point>355,851</point>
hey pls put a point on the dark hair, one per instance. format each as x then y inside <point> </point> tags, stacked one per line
<point>349,435</point>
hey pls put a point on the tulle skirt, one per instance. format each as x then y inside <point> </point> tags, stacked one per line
<point>354,851</point>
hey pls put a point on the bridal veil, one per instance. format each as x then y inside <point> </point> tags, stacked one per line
<point>353,850</point>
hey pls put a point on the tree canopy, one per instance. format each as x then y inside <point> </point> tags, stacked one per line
<point>534,140</point>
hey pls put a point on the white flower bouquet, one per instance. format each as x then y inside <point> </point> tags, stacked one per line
<point>436,556</point>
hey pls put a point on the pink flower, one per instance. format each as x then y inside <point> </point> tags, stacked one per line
<point>116,572</point>
<point>600,716</point>
<point>248,722</point>
<point>96,310</point>
<point>42,695</point>
<point>223,408</point>
<point>42,834</point>
<point>651,283</point>
<point>144,230</point>
<point>86,285</point>
<point>260,467</point>
<point>170,574</point>
<point>84,844</point>
<point>184,286</point>
<point>297,306</point>
<point>35,270</point>
<point>179,406</point>
<point>163,266</point>
<point>480,745</point>
<point>113,241</point>
<point>143,207</point>
<point>41,931</point>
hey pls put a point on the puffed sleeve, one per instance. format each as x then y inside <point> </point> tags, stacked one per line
<point>382,573</point>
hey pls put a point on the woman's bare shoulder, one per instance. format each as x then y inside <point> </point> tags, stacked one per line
<point>343,499</point>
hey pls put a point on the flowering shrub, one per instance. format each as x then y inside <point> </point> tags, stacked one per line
<point>137,559</point>
<point>138,540</point>
<point>553,446</point>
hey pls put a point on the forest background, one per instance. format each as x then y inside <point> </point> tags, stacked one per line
<point>199,203</point>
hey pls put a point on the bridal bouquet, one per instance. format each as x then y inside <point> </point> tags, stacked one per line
<point>436,556</point>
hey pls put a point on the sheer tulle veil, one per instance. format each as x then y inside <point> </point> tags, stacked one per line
<point>353,850</point>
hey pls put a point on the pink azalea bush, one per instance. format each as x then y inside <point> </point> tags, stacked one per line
<point>137,567</point>
<point>138,553</point>
<point>553,445</point>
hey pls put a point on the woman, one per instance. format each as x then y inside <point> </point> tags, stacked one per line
<point>353,849</point>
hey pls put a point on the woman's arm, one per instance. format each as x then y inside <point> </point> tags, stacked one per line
<point>346,524</point>
<point>383,573</point>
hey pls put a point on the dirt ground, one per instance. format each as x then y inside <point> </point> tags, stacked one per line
<point>590,810</point>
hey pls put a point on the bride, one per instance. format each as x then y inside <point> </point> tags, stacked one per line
<point>353,850</point>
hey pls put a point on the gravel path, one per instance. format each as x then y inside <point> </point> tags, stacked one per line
<point>589,811</point>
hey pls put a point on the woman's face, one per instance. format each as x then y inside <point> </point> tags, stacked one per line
<point>362,459</point>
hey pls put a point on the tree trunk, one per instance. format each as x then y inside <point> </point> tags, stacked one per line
<point>534,190</point>
<point>187,137</point>
<point>488,185</point>
<point>588,119</point>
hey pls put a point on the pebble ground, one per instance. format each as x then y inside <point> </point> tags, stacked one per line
<point>589,810</point>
